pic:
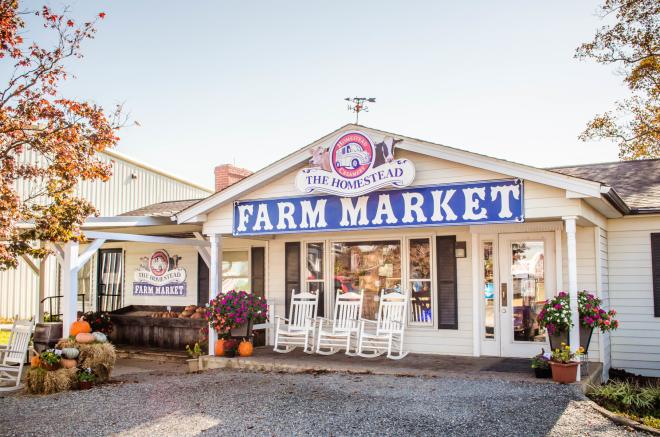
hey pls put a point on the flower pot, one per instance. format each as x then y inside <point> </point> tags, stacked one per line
<point>245,330</point>
<point>230,354</point>
<point>585,337</point>
<point>564,373</point>
<point>557,339</point>
<point>85,385</point>
<point>542,372</point>
<point>49,367</point>
<point>219,347</point>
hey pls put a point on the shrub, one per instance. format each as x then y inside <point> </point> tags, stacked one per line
<point>629,398</point>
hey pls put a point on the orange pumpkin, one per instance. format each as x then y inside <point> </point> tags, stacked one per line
<point>219,347</point>
<point>245,349</point>
<point>85,337</point>
<point>35,361</point>
<point>68,364</point>
<point>79,326</point>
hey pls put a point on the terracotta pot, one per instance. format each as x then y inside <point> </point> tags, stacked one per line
<point>564,373</point>
<point>85,385</point>
<point>219,347</point>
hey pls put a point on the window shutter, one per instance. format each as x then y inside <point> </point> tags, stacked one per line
<point>202,282</point>
<point>655,269</point>
<point>291,272</point>
<point>447,316</point>
<point>258,271</point>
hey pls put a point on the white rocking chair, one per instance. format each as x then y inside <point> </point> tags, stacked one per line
<point>299,327</point>
<point>13,355</point>
<point>385,334</point>
<point>336,334</point>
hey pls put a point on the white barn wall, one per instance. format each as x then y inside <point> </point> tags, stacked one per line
<point>122,193</point>
<point>635,346</point>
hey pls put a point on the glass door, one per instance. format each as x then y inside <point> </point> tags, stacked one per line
<point>527,279</point>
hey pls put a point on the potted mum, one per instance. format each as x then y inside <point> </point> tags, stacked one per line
<point>50,359</point>
<point>564,364</point>
<point>233,314</point>
<point>86,378</point>
<point>541,364</point>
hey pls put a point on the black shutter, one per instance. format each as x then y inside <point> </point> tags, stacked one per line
<point>291,272</point>
<point>202,282</point>
<point>258,271</point>
<point>445,247</point>
<point>655,269</point>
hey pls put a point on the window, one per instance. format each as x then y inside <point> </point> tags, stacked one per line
<point>419,281</point>
<point>314,272</point>
<point>488,290</point>
<point>371,266</point>
<point>235,270</point>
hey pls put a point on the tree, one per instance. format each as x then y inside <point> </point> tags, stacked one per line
<point>62,136</point>
<point>633,43</point>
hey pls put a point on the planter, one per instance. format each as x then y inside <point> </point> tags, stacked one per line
<point>46,335</point>
<point>585,337</point>
<point>85,385</point>
<point>543,373</point>
<point>230,354</point>
<point>557,339</point>
<point>50,367</point>
<point>244,330</point>
<point>564,373</point>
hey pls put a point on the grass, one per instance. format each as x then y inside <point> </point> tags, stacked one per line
<point>4,337</point>
<point>636,401</point>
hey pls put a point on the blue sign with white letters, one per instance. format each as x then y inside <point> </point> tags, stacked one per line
<point>499,201</point>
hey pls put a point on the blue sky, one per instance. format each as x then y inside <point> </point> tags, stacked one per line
<point>248,82</point>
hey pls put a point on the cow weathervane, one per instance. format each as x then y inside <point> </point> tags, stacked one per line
<point>356,104</point>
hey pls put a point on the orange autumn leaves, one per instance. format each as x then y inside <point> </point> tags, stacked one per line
<point>46,139</point>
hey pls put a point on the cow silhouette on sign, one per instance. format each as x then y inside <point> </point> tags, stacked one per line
<point>384,151</point>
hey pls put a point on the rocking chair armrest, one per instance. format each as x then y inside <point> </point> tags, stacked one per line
<point>368,321</point>
<point>282,318</point>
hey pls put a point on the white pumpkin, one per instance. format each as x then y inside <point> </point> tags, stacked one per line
<point>100,337</point>
<point>70,353</point>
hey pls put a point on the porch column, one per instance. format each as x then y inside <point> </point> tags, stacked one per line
<point>215,280</point>
<point>69,286</point>
<point>571,252</point>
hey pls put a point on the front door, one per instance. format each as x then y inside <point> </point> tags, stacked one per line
<point>526,279</point>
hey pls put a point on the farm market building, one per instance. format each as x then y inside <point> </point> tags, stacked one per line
<point>477,243</point>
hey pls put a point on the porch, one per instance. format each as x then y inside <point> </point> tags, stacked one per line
<point>414,365</point>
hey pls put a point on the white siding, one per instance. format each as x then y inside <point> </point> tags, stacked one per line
<point>18,288</point>
<point>635,346</point>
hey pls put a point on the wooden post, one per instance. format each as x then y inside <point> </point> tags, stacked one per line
<point>69,286</point>
<point>571,252</point>
<point>215,280</point>
<point>43,277</point>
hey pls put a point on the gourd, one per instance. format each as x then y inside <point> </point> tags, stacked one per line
<point>245,349</point>
<point>70,353</point>
<point>79,326</point>
<point>220,347</point>
<point>68,363</point>
<point>85,337</point>
<point>100,337</point>
<point>35,361</point>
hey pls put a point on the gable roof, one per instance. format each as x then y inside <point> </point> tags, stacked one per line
<point>162,209</point>
<point>636,182</point>
<point>581,187</point>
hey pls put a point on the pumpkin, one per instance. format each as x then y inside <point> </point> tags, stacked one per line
<point>219,347</point>
<point>35,361</point>
<point>85,337</point>
<point>68,363</point>
<point>70,353</point>
<point>197,316</point>
<point>100,337</point>
<point>245,349</point>
<point>79,326</point>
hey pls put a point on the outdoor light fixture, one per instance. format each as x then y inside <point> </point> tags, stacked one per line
<point>461,249</point>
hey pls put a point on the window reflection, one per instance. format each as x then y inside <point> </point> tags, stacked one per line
<point>369,266</point>
<point>489,291</point>
<point>528,280</point>
<point>420,281</point>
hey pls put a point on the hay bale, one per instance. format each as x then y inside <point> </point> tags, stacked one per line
<point>100,357</point>
<point>41,381</point>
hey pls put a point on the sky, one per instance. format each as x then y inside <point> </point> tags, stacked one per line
<point>213,82</point>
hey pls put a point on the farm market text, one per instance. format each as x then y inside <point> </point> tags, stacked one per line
<point>498,201</point>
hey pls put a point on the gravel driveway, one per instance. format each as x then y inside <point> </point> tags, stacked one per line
<point>242,403</point>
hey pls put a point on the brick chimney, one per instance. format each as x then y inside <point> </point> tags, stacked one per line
<point>227,174</point>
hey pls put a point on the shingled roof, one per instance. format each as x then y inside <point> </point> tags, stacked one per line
<point>162,209</point>
<point>636,182</point>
